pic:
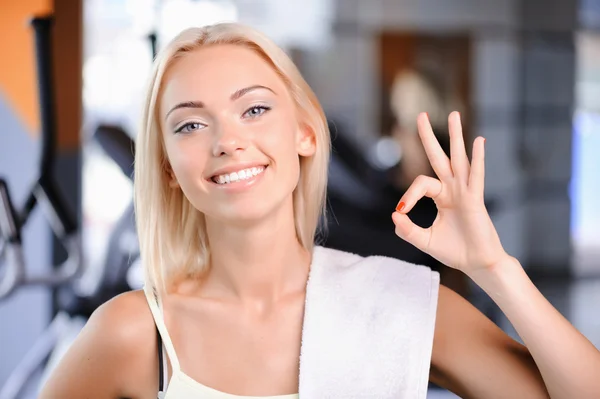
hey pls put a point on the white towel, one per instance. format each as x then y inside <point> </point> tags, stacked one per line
<point>368,327</point>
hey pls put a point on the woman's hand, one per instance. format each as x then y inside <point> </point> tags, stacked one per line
<point>462,235</point>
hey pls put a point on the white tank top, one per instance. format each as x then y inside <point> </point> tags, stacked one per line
<point>180,385</point>
<point>367,332</point>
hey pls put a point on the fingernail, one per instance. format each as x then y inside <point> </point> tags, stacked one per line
<point>484,139</point>
<point>400,206</point>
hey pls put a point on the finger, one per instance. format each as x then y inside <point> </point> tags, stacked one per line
<point>437,158</point>
<point>423,186</point>
<point>410,232</point>
<point>477,175</point>
<point>458,153</point>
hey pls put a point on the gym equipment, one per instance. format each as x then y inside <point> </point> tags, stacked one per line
<point>44,192</point>
<point>74,305</point>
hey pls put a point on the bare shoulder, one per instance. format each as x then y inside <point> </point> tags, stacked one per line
<point>474,358</point>
<point>114,355</point>
<point>126,317</point>
<point>124,324</point>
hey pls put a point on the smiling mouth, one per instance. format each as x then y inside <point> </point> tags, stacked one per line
<point>240,175</point>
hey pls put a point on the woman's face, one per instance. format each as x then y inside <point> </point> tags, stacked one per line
<point>232,133</point>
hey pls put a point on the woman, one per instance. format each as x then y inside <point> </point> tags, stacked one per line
<point>230,177</point>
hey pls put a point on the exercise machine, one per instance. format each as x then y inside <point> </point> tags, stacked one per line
<point>73,305</point>
<point>44,193</point>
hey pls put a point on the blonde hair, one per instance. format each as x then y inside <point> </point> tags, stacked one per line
<point>172,233</point>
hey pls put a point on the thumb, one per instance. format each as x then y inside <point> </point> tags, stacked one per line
<point>410,232</point>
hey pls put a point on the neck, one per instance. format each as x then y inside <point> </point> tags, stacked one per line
<point>263,261</point>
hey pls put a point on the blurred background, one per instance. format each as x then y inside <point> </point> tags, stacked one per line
<point>525,74</point>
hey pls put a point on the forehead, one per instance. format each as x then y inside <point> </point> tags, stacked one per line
<point>215,72</point>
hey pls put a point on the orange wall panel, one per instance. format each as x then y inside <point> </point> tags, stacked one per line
<point>17,51</point>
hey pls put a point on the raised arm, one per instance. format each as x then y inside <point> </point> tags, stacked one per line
<point>471,356</point>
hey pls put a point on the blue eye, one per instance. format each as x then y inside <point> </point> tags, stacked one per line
<point>189,127</point>
<point>256,111</point>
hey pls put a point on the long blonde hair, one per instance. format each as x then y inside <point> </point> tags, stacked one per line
<point>172,233</point>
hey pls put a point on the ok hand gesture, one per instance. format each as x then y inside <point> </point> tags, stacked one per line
<point>462,235</point>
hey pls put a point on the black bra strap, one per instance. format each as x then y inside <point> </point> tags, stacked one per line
<point>161,371</point>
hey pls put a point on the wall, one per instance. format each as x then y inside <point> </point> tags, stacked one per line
<point>25,314</point>
<point>548,102</point>
<point>522,60</point>
<point>17,77</point>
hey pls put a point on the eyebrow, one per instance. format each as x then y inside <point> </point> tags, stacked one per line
<point>235,96</point>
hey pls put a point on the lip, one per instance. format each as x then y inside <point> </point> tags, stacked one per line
<point>235,168</point>
<point>240,185</point>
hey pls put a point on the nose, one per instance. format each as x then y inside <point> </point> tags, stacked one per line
<point>229,140</point>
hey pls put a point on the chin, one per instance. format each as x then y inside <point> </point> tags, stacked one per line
<point>250,211</point>
<point>242,213</point>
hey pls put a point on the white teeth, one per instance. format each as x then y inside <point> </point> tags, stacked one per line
<point>239,175</point>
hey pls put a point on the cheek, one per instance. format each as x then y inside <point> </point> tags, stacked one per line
<point>187,158</point>
<point>280,145</point>
<point>279,137</point>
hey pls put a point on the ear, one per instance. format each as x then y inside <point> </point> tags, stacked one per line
<point>173,183</point>
<point>306,140</point>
